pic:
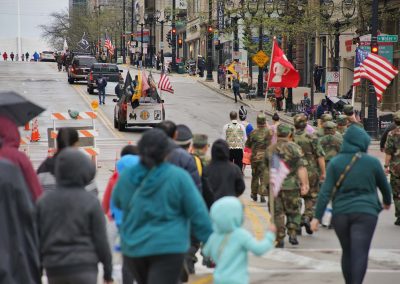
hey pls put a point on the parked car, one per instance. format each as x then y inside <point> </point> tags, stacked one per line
<point>47,56</point>
<point>109,71</point>
<point>80,67</point>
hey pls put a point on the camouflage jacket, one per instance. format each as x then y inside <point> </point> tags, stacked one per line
<point>320,133</point>
<point>331,145</point>
<point>392,147</point>
<point>203,158</point>
<point>258,142</point>
<point>312,150</point>
<point>292,155</point>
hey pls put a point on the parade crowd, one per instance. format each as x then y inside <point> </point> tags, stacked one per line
<point>17,57</point>
<point>167,200</point>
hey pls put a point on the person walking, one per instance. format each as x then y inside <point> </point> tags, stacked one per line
<point>314,155</point>
<point>287,203</point>
<point>330,142</point>
<point>12,56</point>
<point>229,245</point>
<point>156,228</point>
<point>392,163</point>
<point>273,127</point>
<point>27,56</point>
<point>225,178</point>
<point>17,57</point>
<point>5,56</point>
<point>351,181</point>
<point>235,135</point>
<point>249,128</point>
<point>258,141</point>
<point>36,56</point>
<point>236,88</point>
<point>101,83</point>
<point>71,223</point>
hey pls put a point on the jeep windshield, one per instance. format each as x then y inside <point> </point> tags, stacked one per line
<point>104,68</point>
<point>84,61</point>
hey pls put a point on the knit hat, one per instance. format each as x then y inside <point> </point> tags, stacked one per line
<point>184,136</point>
<point>348,110</point>
<point>300,120</point>
<point>200,140</point>
<point>261,119</point>
<point>283,130</point>
<point>242,113</point>
<point>341,120</point>
<point>275,117</point>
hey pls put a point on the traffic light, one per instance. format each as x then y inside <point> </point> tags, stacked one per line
<point>173,31</point>
<point>374,48</point>
<point>180,42</point>
<point>210,29</point>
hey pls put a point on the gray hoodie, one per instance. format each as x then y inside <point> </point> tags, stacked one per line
<point>71,222</point>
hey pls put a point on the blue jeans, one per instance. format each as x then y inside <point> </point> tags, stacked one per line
<point>102,93</point>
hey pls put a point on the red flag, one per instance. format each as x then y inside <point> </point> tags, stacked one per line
<point>282,73</point>
<point>164,84</point>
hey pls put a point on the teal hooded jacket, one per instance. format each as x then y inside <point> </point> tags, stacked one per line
<point>161,207</point>
<point>229,244</point>
<point>358,193</point>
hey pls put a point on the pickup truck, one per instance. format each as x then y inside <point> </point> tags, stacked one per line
<point>109,71</point>
<point>79,68</point>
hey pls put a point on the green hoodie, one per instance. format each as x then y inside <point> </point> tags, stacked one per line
<point>358,193</point>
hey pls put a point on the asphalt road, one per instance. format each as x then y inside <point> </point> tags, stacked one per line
<point>315,260</point>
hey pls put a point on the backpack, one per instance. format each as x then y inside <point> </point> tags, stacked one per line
<point>208,194</point>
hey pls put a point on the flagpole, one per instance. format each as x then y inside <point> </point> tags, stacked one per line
<point>269,69</point>
<point>354,87</point>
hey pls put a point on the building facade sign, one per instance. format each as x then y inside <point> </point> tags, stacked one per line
<point>220,15</point>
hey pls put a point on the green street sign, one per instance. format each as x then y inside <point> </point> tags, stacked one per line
<point>388,38</point>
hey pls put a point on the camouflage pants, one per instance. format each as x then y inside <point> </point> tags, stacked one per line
<point>257,178</point>
<point>287,205</point>
<point>395,183</point>
<point>311,199</point>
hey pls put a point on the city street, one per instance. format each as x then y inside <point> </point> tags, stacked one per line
<point>315,260</point>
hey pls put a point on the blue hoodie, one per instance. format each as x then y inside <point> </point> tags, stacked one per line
<point>229,244</point>
<point>160,208</point>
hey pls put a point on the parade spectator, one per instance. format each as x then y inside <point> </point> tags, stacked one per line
<point>101,83</point>
<point>5,56</point>
<point>225,178</point>
<point>318,70</point>
<point>155,228</point>
<point>322,108</point>
<point>351,181</point>
<point>19,262</point>
<point>236,88</point>
<point>72,231</point>
<point>235,134</point>
<point>12,56</point>
<point>27,56</point>
<point>249,128</point>
<point>10,137</point>
<point>36,56</point>
<point>230,243</point>
<point>273,128</point>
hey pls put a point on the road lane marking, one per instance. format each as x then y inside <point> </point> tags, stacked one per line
<point>204,280</point>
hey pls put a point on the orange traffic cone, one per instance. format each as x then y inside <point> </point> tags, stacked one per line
<point>27,126</point>
<point>35,135</point>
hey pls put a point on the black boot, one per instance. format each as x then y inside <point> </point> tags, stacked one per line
<point>293,240</point>
<point>307,225</point>
<point>254,196</point>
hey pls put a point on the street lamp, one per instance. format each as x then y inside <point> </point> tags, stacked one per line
<point>209,76</point>
<point>123,32</point>
<point>235,16</point>
<point>117,30</point>
<point>166,18</point>
<point>138,18</point>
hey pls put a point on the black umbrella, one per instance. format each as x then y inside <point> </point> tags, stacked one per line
<point>17,108</point>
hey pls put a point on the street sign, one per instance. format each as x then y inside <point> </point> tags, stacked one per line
<point>332,77</point>
<point>332,89</point>
<point>236,55</point>
<point>388,38</point>
<point>161,45</point>
<point>260,58</point>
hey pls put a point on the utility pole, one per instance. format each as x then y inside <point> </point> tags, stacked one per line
<point>173,36</point>
<point>260,85</point>
<point>209,76</point>
<point>123,31</point>
<point>132,20</point>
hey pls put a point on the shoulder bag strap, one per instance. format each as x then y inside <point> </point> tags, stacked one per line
<point>344,174</point>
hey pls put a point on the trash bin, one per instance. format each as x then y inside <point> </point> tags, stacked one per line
<point>181,68</point>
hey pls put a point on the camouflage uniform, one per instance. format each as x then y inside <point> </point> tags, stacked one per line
<point>287,202</point>
<point>392,147</point>
<point>330,142</point>
<point>258,142</point>
<point>341,124</point>
<point>199,142</point>
<point>312,151</point>
<point>325,118</point>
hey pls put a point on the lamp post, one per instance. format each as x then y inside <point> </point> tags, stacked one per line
<point>209,43</point>
<point>138,18</point>
<point>173,36</point>
<point>235,15</point>
<point>123,32</point>
<point>167,15</point>
<point>118,25</point>
<point>132,26</point>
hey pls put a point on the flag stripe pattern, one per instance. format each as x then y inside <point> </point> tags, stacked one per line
<point>164,84</point>
<point>278,172</point>
<point>108,44</point>
<point>378,70</point>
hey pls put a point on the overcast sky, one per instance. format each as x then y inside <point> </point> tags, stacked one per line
<point>33,14</point>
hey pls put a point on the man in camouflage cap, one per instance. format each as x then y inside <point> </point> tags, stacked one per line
<point>200,147</point>
<point>295,184</point>
<point>324,118</point>
<point>258,142</point>
<point>314,154</point>
<point>348,110</point>
<point>330,142</point>
<point>392,163</point>
<point>341,121</point>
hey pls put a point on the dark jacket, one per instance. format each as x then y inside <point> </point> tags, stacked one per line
<point>358,193</point>
<point>225,178</point>
<point>71,222</point>
<point>181,158</point>
<point>19,261</point>
<point>101,83</point>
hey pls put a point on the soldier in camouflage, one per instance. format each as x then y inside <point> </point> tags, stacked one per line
<point>392,163</point>
<point>330,142</point>
<point>341,121</point>
<point>287,204</point>
<point>314,154</point>
<point>258,142</point>
<point>324,118</point>
<point>200,148</point>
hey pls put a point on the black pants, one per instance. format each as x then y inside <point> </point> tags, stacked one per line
<point>236,92</point>
<point>236,156</point>
<point>156,269</point>
<point>355,232</point>
<point>86,277</point>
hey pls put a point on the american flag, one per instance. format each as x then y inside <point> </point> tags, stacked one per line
<point>108,44</point>
<point>278,171</point>
<point>375,68</point>
<point>164,84</point>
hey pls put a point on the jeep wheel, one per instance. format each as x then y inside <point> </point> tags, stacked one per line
<point>70,80</point>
